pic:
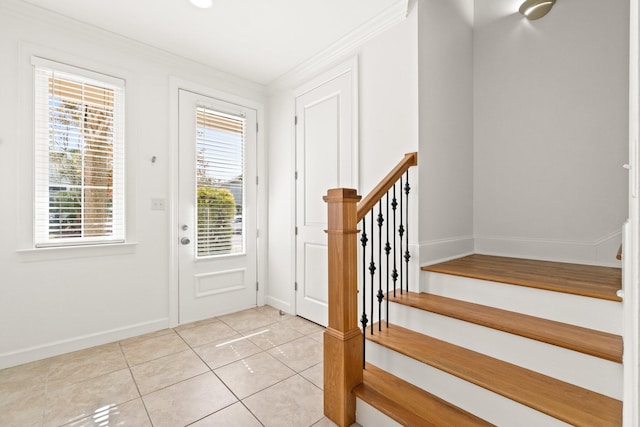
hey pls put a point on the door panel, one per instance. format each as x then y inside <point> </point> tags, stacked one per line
<point>216,207</point>
<point>321,143</point>
<point>325,155</point>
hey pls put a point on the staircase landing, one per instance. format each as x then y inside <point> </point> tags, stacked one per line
<point>576,279</point>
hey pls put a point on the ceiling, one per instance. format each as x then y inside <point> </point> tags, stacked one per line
<point>258,40</point>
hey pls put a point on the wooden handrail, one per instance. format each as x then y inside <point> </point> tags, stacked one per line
<point>410,159</point>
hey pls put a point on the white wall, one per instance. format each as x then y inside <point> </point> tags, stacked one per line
<point>53,301</point>
<point>388,101</point>
<point>281,261</point>
<point>388,129</point>
<point>446,128</point>
<point>551,114</point>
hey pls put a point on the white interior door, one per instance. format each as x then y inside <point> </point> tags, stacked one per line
<point>217,207</point>
<point>325,158</point>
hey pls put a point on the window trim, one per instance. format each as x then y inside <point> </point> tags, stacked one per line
<point>40,157</point>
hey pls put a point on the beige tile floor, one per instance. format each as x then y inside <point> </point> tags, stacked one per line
<point>251,368</point>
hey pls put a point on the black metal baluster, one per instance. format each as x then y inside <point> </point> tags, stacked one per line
<point>380,294</point>
<point>363,319</point>
<point>401,233</point>
<point>387,251</point>
<point>394,274</point>
<point>407,254</point>
<point>372,269</point>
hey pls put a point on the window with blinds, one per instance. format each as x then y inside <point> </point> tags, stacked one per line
<point>79,156</point>
<point>219,183</point>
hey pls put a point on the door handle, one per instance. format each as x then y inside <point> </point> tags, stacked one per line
<point>185,241</point>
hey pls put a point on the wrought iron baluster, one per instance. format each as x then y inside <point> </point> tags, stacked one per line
<point>380,294</point>
<point>401,233</point>
<point>394,274</point>
<point>387,251</point>
<point>363,318</point>
<point>372,269</point>
<point>407,254</point>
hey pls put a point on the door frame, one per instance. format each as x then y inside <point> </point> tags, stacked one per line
<point>631,235</point>
<point>350,66</point>
<point>175,85</point>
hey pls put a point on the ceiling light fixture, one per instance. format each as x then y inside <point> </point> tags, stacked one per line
<point>203,4</point>
<point>536,9</point>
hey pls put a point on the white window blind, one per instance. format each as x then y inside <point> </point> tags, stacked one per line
<point>219,182</point>
<point>79,156</point>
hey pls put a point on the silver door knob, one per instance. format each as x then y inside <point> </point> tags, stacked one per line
<point>185,227</point>
<point>185,241</point>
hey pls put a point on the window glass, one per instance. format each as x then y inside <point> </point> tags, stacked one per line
<point>219,183</point>
<point>79,167</point>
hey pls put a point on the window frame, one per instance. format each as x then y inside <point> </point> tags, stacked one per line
<point>41,203</point>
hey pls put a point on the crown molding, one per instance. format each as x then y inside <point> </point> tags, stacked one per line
<point>37,15</point>
<point>389,17</point>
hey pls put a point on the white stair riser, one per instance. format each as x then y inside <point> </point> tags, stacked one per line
<point>483,403</point>
<point>368,416</point>
<point>592,313</point>
<point>593,373</point>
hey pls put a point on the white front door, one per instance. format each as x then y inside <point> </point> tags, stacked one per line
<point>325,158</point>
<point>217,207</point>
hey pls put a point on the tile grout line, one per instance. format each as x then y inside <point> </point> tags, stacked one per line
<point>241,401</point>
<point>262,351</point>
<point>144,405</point>
<point>238,400</point>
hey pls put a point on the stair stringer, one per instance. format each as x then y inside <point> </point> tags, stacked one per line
<point>560,307</point>
<point>590,372</point>
<point>481,402</point>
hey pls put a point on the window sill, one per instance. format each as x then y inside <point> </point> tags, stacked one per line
<point>72,252</point>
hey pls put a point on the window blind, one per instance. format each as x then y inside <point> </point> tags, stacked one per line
<point>79,156</point>
<point>219,182</point>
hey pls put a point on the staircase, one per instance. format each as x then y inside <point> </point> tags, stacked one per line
<point>491,341</point>
<point>500,341</point>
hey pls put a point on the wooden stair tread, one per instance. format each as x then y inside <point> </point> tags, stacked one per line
<point>588,341</point>
<point>566,402</point>
<point>410,405</point>
<point>586,280</point>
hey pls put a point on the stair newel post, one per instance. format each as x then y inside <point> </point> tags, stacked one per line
<point>343,338</point>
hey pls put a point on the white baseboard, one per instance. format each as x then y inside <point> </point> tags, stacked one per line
<point>599,252</point>
<point>31,354</point>
<point>279,304</point>
<point>441,250</point>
